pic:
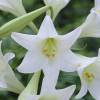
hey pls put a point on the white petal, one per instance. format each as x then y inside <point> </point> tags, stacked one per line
<point>27,41</point>
<point>47,28</point>
<point>84,87</point>
<point>3,84</point>
<point>13,84</point>
<point>69,61</point>
<point>57,5</point>
<point>15,7</point>
<point>9,79</point>
<point>4,4</point>
<point>9,56</point>
<point>79,61</point>
<point>32,97</point>
<point>64,63</point>
<point>94,89</point>
<point>32,62</point>
<point>7,76</point>
<point>91,28</point>
<point>60,5</point>
<point>28,97</point>
<point>50,79</point>
<point>97,4</point>
<point>65,94</point>
<point>66,41</point>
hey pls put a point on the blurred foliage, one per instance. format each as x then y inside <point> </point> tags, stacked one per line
<point>68,19</point>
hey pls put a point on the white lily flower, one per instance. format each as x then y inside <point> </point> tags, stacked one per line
<point>47,49</point>
<point>8,81</point>
<point>47,93</point>
<point>62,94</point>
<point>13,6</point>
<point>91,27</point>
<point>90,78</point>
<point>57,5</point>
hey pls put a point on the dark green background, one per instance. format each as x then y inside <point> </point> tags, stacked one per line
<point>68,19</point>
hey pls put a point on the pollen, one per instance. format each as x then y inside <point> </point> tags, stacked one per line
<point>88,76</point>
<point>50,48</point>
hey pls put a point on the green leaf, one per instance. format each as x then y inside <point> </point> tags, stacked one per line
<point>19,23</point>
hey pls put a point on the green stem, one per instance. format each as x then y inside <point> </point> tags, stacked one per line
<point>50,12</point>
<point>33,27</point>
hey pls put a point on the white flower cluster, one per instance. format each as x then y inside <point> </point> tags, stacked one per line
<point>50,52</point>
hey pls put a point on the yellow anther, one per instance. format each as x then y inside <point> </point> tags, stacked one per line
<point>45,50</point>
<point>48,55</point>
<point>88,76</point>
<point>53,55</point>
<point>50,48</point>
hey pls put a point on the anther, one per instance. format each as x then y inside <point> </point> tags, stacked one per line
<point>49,48</point>
<point>88,76</point>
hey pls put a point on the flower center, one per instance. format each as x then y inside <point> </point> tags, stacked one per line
<point>88,76</point>
<point>50,47</point>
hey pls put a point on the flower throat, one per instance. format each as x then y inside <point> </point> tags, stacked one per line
<point>50,48</point>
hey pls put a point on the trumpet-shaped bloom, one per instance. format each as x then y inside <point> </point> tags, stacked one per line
<point>57,5</point>
<point>13,6</point>
<point>50,52</point>
<point>8,81</point>
<point>90,78</point>
<point>47,49</point>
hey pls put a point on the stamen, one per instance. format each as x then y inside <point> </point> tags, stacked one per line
<point>50,48</point>
<point>88,76</point>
